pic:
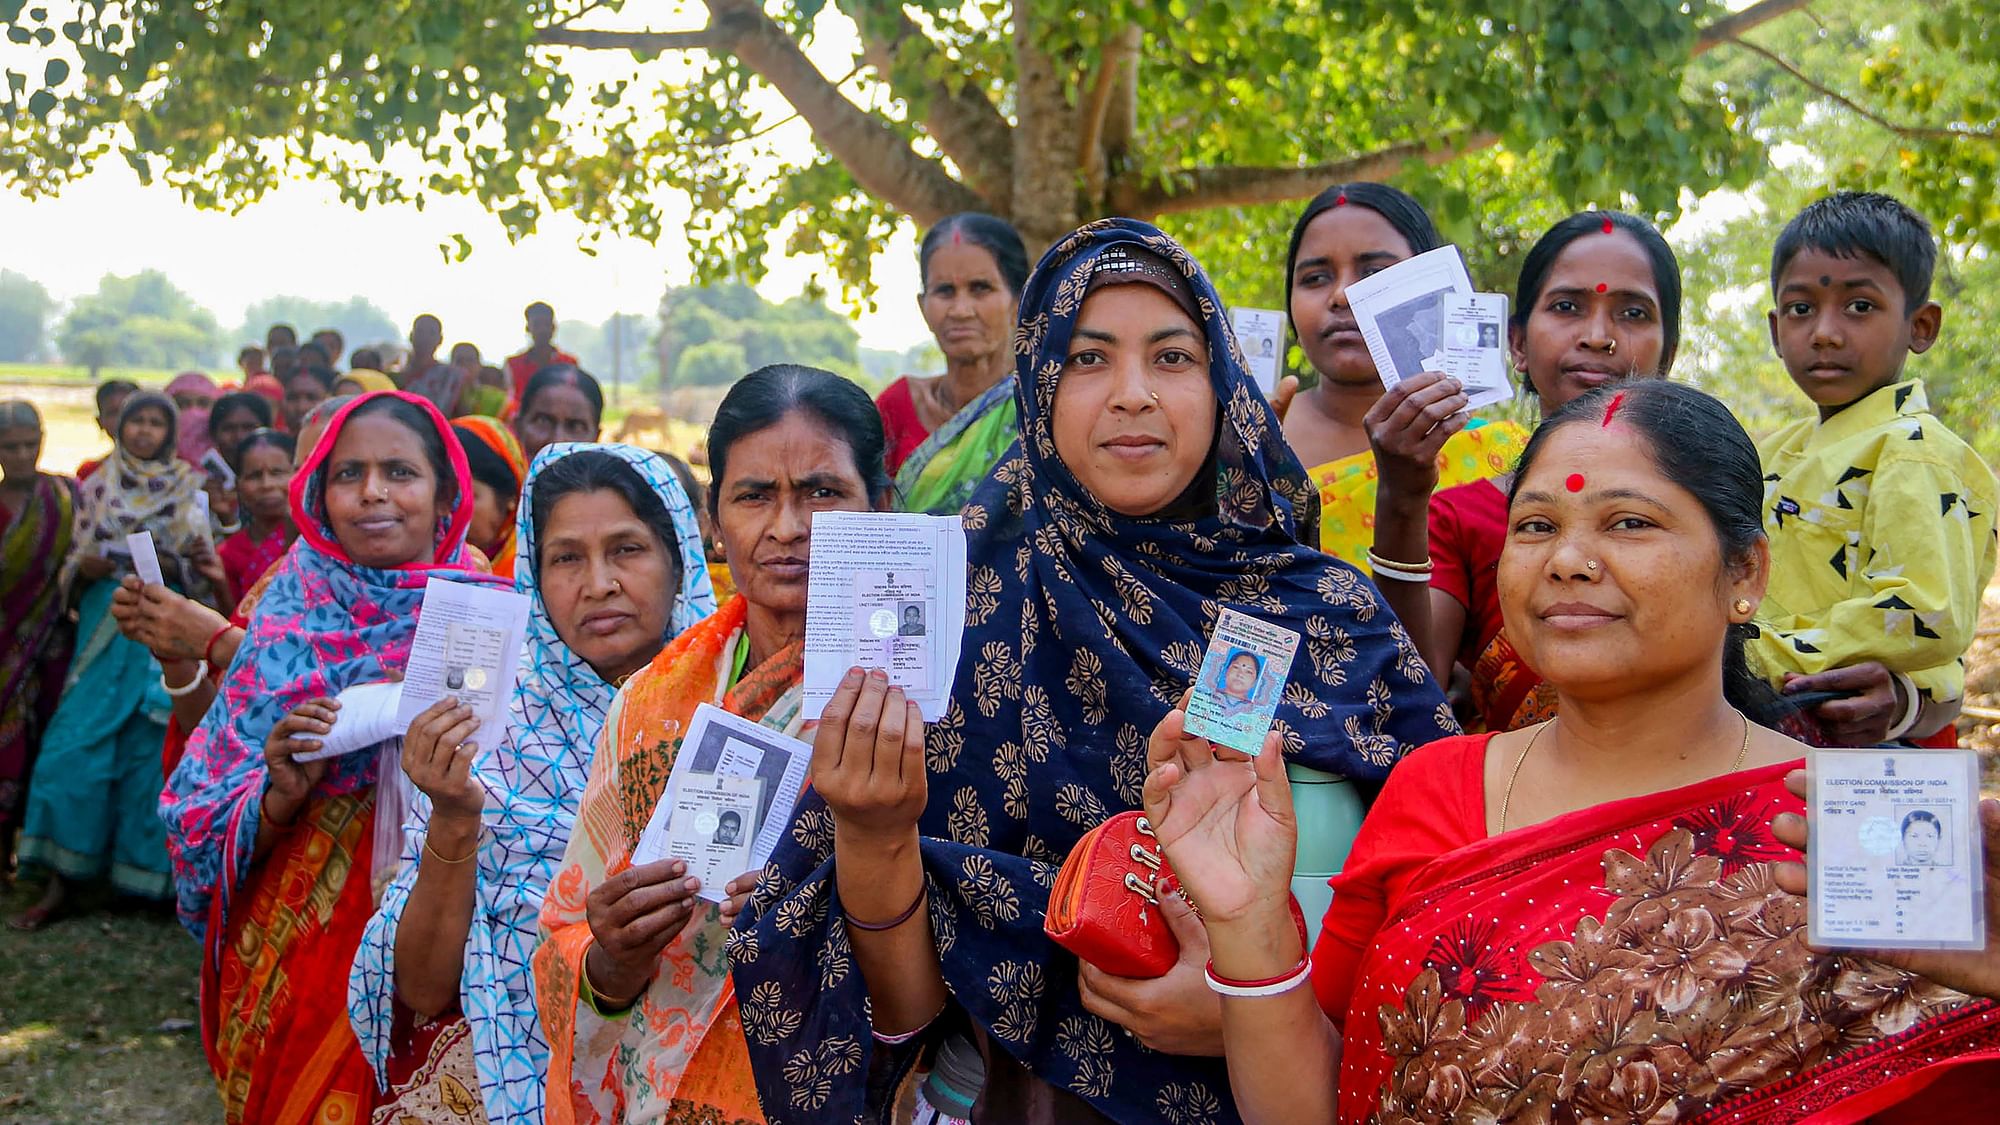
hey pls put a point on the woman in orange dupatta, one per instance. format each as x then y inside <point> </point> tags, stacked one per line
<point>632,980</point>
<point>273,858</point>
<point>1582,921</point>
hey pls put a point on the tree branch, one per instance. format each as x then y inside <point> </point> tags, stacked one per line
<point>1736,23</point>
<point>1194,189</point>
<point>1914,132</point>
<point>710,38</point>
<point>964,123</point>
<point>1092,156</point>
<point>881,162</point>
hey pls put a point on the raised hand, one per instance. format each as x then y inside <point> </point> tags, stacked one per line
<point>1281,400</point>
<point>868,759</point>
<point>172,627</point>
<point>291,781</point>
<point>1865,716</point>
<point>437,755</point>
<point>632,916</point>
<point>1225,821</point>
<point>1408,426</point>
<point>1972,971</point>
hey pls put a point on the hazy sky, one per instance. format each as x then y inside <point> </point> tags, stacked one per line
<point>301,240</point>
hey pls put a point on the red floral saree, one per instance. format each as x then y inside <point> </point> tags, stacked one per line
<point>1628,962</point>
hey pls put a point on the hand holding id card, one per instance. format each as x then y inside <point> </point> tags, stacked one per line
<point>1243,674</point>
<point>1895,860</point>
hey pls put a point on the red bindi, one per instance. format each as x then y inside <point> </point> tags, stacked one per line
<point>1341,201</point>
<point>1603,288</point>
<point>1607,226</point>
<point>1574,483</point>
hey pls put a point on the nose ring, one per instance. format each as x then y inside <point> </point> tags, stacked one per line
<point>1155,396</point>
<point>1611,348</point>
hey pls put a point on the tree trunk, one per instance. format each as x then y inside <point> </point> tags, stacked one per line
<point>1045,188</point>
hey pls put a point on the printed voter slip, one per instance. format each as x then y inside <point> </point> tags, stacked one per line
<point>1242,675</point>
<point>886,590</point>
<point>765,771</point>
<point>468,647</point>
<point>1895,858</point>
<point>213,463</point>
<point>1422,314</point>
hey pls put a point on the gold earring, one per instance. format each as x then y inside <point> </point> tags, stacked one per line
<point>1745,606</point>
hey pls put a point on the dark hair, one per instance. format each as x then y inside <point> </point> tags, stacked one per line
<point>374,360</point>
<point>324,376</point>
<point>1394,205</point>
<point>415,419</point>
<point>993,235</point>
<point>249,350</point>
<point>272,438</point>
<point>258,406</point>
<point>488,467</point>
<point>151,400</point>
<point>763,397</point>
<point>565,375</point>
<point>333,332</point>
<point>697,494</point>
<point>1695,442</point>
<point>317,349</point>
<point>1921,816</point>
<point>593,470</point>
<point>286,329</point>
<point>538,307</point>
<point>1542,258</point>
<point>112,388</point>
<point>282,355</point>
<point>1852,224</point>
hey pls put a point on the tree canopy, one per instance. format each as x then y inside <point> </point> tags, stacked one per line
<point>1204,113</point>
<point>24,316</point>
<point>137,321</point>
<point>710,336</point>
<point>359,320</point>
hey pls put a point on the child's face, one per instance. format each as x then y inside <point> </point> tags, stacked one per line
<point>144,433</point>
<point>1841,328</point>
<point>107,418</point>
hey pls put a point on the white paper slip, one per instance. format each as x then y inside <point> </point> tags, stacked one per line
<point>145,558</point>
<point>887,591</point>
<point>1261,335</point>
<point>1475,334</point>
<point>1399,311</point>
<point>214,464</point>
<point>468,647</point>
<point>1242,676</point>
<point>721,745</point>
<point>1895,860</point>
<point>367,717</point>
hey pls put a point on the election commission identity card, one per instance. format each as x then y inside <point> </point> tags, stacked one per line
<point>711,820</point>
<point>747,777</point>
<point>1475,325</point>
<point>1896,859</point>
<point>1242,675</point>
<point>892,626</point>
<point>1260,333</point>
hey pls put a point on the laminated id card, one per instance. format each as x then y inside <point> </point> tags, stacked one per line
<point>1895,858</point>
<point>1235,694</point>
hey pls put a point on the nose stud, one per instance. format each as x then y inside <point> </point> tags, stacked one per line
<point>1590,565</point>
<point>1155,396</point>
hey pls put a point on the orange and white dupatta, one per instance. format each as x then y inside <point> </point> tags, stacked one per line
<point>679,1053</point>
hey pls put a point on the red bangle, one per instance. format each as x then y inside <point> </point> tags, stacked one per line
<point>208,650</point>
<point>1289,976</point>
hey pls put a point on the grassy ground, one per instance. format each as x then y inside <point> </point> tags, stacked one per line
<point>80,376</point>
<point>98,1022</point>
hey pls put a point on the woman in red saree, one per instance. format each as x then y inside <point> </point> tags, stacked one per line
<point>1580,921</point>
<point>273,858</point>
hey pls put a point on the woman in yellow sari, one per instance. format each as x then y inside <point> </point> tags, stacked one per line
<point>631,979</point>
<point>1346,233</point>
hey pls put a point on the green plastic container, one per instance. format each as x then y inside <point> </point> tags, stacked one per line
<point>1329,811</point>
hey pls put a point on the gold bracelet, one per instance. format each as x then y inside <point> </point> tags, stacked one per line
<point>436,855</point>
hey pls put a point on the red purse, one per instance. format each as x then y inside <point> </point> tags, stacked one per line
<point>1105,907</point>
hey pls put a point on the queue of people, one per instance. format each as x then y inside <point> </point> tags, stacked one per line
<point>1574,894</point>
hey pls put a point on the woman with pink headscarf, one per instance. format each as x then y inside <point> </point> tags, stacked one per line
<point>194,394</point>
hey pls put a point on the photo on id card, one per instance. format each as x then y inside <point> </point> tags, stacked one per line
<point>1243,674</point>
<point>712,825</point>
<point>892,625</point>
<point>1895,860</point>
<point>472,664</point>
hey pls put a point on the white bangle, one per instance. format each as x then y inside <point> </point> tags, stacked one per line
<point>200,674</point>
<point>1911,712</point>
<point>1399,571</point>
<point>1276,987</point>
<point>1385,574</point>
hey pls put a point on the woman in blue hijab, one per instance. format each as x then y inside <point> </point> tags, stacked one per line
<point>1149,490</point>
